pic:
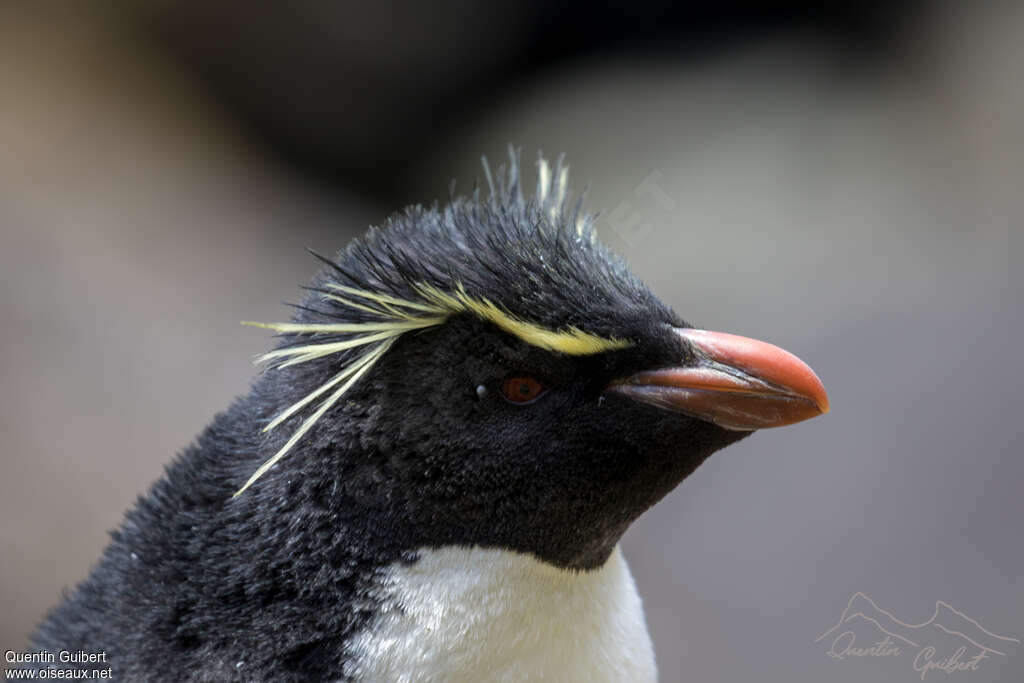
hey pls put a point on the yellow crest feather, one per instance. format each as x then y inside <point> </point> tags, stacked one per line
<point>393,316</point>
<point>435,307</point>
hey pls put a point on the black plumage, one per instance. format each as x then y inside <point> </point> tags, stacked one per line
<point>272,584</point>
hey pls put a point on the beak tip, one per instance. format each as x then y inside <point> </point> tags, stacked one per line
<point>816,391</point>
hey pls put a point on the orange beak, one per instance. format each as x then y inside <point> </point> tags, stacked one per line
<point>735,382</point>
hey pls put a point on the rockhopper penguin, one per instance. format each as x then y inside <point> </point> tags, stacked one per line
<point>430,481</point>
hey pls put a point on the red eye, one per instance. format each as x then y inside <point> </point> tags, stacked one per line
<point>521,389</point>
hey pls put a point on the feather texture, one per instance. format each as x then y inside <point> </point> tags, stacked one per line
<point>377,318</point>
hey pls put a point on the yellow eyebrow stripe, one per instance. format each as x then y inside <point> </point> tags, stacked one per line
<point>395,317</point>
<point>571,341</point>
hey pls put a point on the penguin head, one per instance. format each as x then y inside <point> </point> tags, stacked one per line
<point>489,374</point>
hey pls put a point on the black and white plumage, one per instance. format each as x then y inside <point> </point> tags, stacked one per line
<point>383,506</point>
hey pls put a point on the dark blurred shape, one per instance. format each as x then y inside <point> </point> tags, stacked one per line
<point>352,91</point>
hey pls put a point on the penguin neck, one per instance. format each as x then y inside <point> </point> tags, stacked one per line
<point>470,613</point>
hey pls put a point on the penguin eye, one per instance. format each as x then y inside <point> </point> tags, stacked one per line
<point>521,390</point>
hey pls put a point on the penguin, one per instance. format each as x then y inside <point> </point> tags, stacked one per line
<point>430,479</point>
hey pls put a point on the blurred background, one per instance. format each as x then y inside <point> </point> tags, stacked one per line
<point>843,181</point>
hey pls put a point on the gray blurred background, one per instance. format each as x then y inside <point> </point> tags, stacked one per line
<point>846,183</point>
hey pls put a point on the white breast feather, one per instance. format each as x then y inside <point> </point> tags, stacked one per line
<point>470,614</point>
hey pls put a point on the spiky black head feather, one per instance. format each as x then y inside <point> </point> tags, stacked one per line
<point>390,434</point>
